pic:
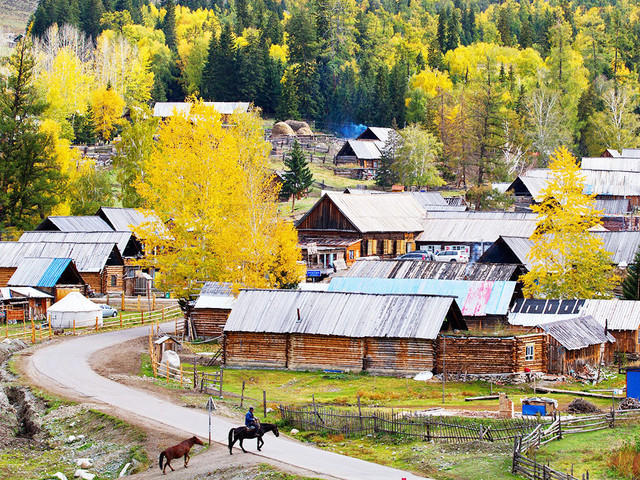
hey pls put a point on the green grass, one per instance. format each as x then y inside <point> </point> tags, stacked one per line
<point>588,451</point>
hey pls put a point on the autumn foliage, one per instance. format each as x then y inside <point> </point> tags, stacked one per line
<point>212,185</point>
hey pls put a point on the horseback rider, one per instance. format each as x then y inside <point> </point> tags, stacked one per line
<point>251,422</point>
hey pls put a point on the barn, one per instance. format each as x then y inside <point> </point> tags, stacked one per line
<point>310,330</point>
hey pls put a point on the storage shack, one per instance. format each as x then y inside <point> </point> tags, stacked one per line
<point>211,310</point>
<point>310,330</point>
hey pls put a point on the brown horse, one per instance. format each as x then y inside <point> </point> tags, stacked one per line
<point>178,451</point>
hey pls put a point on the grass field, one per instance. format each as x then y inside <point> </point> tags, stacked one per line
<point>15,14</point>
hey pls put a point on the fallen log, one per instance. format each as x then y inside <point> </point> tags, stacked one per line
<point>574,392</point>
<point>485,397</point>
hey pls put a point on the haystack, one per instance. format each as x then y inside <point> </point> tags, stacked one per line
<point>304,131</point>
<point>296,125</point>
<point>282,128</point>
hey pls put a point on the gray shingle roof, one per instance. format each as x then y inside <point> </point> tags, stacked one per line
<point>122,219</point>
<point>341,314</point>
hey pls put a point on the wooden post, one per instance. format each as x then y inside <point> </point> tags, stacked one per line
<point>6,325</point>
<point>24,328</point>
<point>74,326</point>
<point>50,333</point>
<point>141,316</point>
<point>139,308</point>
<point>122,302</point>
<point>181,384</point>
<point>120,318</point>
<point>107,299</point>
<point>444,365</point>
<point>360,412</point>
<point>195,374</point>
<point>153,302</point>
<point>313,400</point>
<point>242,395</point>
<point>33,331</point>
<point>264,402</point>
<point>221,378</point>
<point>40,332</point>
<point>96,323</point>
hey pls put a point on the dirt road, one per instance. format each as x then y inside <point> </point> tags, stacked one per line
<point>64,366</point>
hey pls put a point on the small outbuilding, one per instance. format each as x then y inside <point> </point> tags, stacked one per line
<point>74,308</point>
<point>211,310</point>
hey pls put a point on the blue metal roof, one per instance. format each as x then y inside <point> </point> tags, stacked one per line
<point>475,298</point>
<point>39,272</point>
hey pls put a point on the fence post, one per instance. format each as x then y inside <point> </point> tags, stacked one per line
<point>429,428</point>
<point>181,384</point>
<point>139,308</point>
<point>50,334</point>
<point>559,426</point>
<point>122,302</point>
<point>195,374</point>
<point>24,328</point>
<point>74,326</point>
<point>33,331</point>
<point>242,395</point>
<point>221,377</point>
<point>6,324</point>
<point>153,302</point>
<point>360,413</point>
<point>96,323</point>
<point>141,315</point>
<point>264,402</point>
<point>120,318</point>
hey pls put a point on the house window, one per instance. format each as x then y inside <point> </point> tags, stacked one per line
<point>528,356</point>
<point>114,280</point>
<point>351,254</point>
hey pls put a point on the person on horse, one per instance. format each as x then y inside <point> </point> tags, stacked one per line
<point>251,422</point>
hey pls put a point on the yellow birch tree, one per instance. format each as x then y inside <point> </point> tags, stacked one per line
<point>212,185</point>
<point>568,261</point>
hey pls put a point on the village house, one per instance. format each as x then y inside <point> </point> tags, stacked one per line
<point>100,264</point>
<point>364,153</point>
<point>53,276</point>
<point>22,304</point>
<point>307,330</point>
<point>361,225</point>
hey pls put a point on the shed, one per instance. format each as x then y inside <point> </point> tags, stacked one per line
<point>19,304</point>
<point>50,275</point>
<point>211,309</point>
<point>483,304</point>
<point>74,308</point>
<point>365,155</point>
<point>300,330</point>
<point>576,342</point>
<point>166,342</point>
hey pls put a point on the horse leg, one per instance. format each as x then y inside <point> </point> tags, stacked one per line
<point>186,459</point>
<point>260,442</point>
<point>241,439</point>
<point>168,464</point>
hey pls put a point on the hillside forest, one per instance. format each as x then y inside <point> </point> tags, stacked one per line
<point>493,88</point>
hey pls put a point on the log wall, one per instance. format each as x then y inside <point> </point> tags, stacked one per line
<point>5,275</point>
<point>118,271</point>
<point>94,280</point>
<point>399,355</point>
<point>251,349</point>
<point>326,216</point>
<point>209,322</point>
<point>321,352</point>
<point>626,341</point>
<point>539,362</point>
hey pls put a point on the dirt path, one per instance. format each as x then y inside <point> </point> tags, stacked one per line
<point>63,368</point>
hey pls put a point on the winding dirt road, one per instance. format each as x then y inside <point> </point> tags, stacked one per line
<point>66,365</point>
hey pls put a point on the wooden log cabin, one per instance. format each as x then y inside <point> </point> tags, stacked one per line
<point>385,224</point>
<point>310,330</point>
<point>491,354</point>
<point>620,318</point>
<point>210,311</point>
<point>100,264</point>
<point>18,304</point>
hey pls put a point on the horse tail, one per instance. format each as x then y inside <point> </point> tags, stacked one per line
<point>230,437</point>
<point>162,455</point>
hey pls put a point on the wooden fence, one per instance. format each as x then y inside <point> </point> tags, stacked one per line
<point>35,333</point>
<point>430,427</point>
<point>525,446</point>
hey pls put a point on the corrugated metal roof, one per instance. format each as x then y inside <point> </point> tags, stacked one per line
<point>398,212</point>
<point>429,198</point>
<point>521,246</point>
<point>216,295</point>
<point>615,314</point>
<point>87,223</point>
<point>328,241</point>
<point>629,152</point>
<point>496,272</point>
<point>615,206</point>
<point>577,333</point>
<point>39,272</point>
<point>623,245</point>
<point>22,292</point>
<point>611,164</point>
<point>472,230</point>
<point>535,185</point>
<point>122,219</point>
<point>473,298</point>
<point>365,150</point>
<point>380,132</point>
<point>342,314</point>
<point>472,215</point>
<point>88,257</point>
<point>119,238</point>
<point>169,109</point>
<point>613,152</point>
<point>599,182</point>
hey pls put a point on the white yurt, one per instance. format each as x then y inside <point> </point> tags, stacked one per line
<point>76,307</point>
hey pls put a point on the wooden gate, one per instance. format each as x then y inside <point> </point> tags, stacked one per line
<point>555,359</point>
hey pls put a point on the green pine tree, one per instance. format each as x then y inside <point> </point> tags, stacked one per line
<point>631,283</point>
<point>298,176</point>
<point>169,25</point>
<point>30,182</point>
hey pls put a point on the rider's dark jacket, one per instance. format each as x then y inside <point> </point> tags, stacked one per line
<point>249,419</point>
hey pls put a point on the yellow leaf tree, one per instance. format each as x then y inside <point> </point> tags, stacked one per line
<point>107,108</point>
<point>213,187</point>
<point>568,261</point>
